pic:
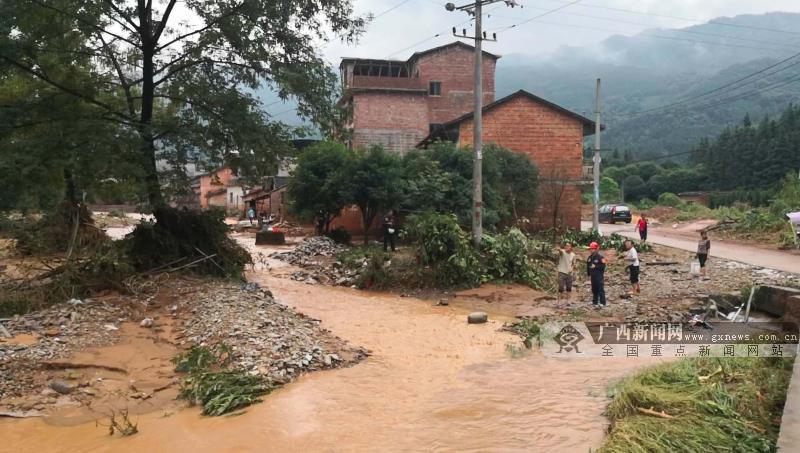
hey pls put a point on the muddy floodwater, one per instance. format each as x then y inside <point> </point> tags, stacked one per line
<point>432,383</point>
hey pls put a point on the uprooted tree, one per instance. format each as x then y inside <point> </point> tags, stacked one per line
<point>175,78</point>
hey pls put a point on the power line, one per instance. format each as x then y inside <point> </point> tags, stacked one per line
<point>548,12</point>
<point>391,9</point>
<point>677,30</point>
<point>698,21</point>
<point>715,90</point>
<point>436,35</point>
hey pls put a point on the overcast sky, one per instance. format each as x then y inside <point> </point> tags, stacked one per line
<point>411,25</point>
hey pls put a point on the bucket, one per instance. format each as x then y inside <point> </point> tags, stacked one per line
<point>694,268</point>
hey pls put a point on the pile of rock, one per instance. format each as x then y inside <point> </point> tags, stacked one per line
<point>268,339</point>
<point>319,271</point>
<point>309,248</point>
<point>56,332</point>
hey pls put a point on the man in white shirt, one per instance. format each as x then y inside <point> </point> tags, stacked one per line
<point>632,260</point>
<point>566,270</point>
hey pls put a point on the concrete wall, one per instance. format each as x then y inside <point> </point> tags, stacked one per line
<point>553,141</point>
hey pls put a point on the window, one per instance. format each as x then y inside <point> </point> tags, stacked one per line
<point>435,89</point>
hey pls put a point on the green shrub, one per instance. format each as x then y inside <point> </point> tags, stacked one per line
<point>339,235</point>
<point>185,236</point>
<point>669,199</point>
<point>441,244</point>
<point>508,257</point>
<point>375,274</point>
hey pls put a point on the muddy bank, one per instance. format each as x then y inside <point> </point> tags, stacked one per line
<point>433,382</point>
<point>84,360</point>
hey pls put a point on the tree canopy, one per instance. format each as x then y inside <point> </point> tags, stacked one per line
<point>171,79</point>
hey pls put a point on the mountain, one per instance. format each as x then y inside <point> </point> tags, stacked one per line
<point>659,67</point>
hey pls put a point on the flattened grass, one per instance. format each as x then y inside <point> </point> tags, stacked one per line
<point>700,404</point>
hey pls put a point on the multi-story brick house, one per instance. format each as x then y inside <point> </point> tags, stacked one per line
<point>430,96</point>
<point>397,103</point>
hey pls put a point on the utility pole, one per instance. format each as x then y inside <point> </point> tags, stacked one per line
<point>596,160</point>
<point>476,10</point>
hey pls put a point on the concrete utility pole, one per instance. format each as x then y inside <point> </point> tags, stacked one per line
<point>596,160</point>
<point>476,9</point>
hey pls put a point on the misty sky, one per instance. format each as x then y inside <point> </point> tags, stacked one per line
<point>394,34</point>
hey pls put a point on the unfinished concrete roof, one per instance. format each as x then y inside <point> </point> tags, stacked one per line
<point>415,56</point>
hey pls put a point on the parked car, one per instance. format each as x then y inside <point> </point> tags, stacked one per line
<point>613,213</point>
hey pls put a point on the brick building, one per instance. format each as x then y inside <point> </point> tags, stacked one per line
<point>550,135</point>
<point>397,103</point>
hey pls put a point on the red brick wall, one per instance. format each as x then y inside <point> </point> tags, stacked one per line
<point>552,140</point>
<point>454,68</point>
<point>398,121</point>
<point>213,181</point>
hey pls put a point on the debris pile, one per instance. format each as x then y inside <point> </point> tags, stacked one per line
<point>267,339</point>
<point>304,253</point>
<point>328,271</point>
<point>54,333</point>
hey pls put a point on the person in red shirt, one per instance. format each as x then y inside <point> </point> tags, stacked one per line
<point>641,227</point>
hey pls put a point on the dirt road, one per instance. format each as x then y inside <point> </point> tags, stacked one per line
<point>770,259</point>
<point>433,383</point>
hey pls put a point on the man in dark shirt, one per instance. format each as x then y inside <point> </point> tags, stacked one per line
<point>389,230</point>
<point>596,270</point>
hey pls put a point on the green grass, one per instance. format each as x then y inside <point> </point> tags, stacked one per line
<point>727,405</point>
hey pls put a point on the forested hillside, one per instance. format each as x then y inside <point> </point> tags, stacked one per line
<point>664,67</point>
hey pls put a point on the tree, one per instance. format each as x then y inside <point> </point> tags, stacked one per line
<point>516,184</point>
<point>319,187</point>
<point>634,187</point>
<point>375,182</point>
<point>609,190</point>
<point>178,77</point>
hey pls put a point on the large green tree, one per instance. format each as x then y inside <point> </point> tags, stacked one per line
<point>375,183</point>
<point>319,186</point>
<point>178,77</point>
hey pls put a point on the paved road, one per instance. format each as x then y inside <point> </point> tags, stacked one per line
<point>771,259</point>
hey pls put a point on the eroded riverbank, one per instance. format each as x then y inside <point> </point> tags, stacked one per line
<point>433,382</point>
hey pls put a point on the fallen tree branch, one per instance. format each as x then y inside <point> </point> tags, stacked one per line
<point>655,413</point>
<point>68,365</point>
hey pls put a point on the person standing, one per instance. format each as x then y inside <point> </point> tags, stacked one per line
<point>703,249</point>
<point>641,227</point>
<point>389,230</point>
<point>596,270</point>
<point>251,214</point>
<point>632,260</point>
<point>566,270</point>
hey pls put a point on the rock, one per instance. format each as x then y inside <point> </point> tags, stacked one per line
<point>443,302</point>
<point>146,322</point>
<point>110,327</point>
<point>477,317</point>
<point>61,386</point>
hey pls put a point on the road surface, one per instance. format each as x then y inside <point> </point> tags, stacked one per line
<point>771,259</point>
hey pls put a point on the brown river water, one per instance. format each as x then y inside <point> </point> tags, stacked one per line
<point>433,383</point>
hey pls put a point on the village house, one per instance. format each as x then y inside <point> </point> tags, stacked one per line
<point>429,97</point>
<point>219,189</point>
<point>397,103</point>
<point>550,135</point>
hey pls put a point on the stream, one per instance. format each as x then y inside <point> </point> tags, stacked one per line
<point>432,383</point>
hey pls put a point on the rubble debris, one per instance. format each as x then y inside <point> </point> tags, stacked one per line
<point>477,317</point>
<point>319,271</point>
<point>270,238</point>
<point>79,326</point>
<point>307,249</point>
<point>146,322</point>
<point>266,338</point>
